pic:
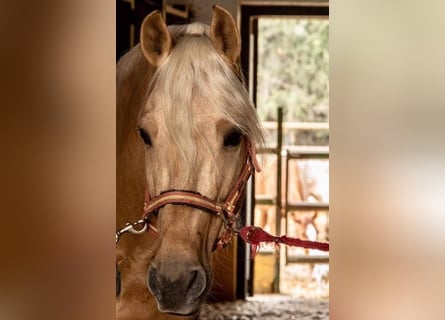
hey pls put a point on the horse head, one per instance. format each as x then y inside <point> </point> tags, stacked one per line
<point>196,123</point>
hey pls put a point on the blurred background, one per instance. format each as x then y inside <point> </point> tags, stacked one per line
<point>386,158</point>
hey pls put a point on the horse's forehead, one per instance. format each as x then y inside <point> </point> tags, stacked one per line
<point>203,112</point>
<point>200,110</point>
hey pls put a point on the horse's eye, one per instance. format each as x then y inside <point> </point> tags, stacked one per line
<point>145,136</point>
<point>232,139</point>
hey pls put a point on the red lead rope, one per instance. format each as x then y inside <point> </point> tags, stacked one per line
<point>256,235</point>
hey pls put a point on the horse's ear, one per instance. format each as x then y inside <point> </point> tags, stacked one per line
<point>156,41</point>
<point>224,34</point>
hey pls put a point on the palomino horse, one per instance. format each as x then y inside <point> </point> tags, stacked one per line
<point>185,127</point>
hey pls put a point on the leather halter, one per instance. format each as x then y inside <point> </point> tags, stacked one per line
<point>226,210</point>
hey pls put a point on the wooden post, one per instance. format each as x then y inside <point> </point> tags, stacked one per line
<point>276,285</point>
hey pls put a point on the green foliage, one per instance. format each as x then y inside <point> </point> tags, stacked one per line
<point>293,70</point>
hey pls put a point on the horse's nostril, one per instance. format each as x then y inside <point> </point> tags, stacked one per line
<point>197,282</point>
<point>194,276</point>
<point>153,281</point>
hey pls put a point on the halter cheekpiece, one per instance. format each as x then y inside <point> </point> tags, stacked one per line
<point>226,210</point>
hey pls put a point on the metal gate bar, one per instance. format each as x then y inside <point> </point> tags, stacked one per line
<point>291,153</point>
<point>298,154</point>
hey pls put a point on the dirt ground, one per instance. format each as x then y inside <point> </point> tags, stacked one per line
<point>268,307</point>
<point>304,296</point>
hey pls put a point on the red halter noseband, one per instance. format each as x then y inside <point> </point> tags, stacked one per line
<point>227,210</point>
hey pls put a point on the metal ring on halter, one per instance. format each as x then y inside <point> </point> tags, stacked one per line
<point>228,225</point>
<point>143,223</point>
<point>130,227</point>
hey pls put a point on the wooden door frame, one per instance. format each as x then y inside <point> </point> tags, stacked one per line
<point>249,14</point>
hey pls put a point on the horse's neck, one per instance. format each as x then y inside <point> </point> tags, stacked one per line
<point>133,76</point>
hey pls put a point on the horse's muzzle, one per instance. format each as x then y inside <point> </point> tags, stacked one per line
<point>178,287</point>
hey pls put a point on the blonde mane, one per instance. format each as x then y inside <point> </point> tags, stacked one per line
<point>195,69</point>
